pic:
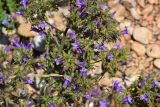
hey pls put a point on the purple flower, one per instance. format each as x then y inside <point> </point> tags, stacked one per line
<point>34,28</point>
<point>144,97</point>
<point>103,103</point>
<point>29,45</point>
<point>103,5</point>
<point>81,4</point>
<point>23,46</point>
<point>76,46</point>
<point>7,49</point>
<point>118,46</point>
<point>88,95</point>
<point>71,8</point>
<point>40,64</point>
<point>5,22</point>
<point>42,25</point>
<point>15,43</point>
<point>1,75</point>
<point>19,12</point>
<point>123,32</point>
<point>97,22</point>
<point>84,72</point>
<point>119,89</point>
<point>101,47</point>
<point>29,81</point>
<point>142,83</point>
<point>155,83</point>
<point>23,92</point>
<point>115,84</point>
<point>72,34</point>
<point>110,56</point>
<point>83,14</point>
<point>127,99</point>
<point>24,3</point>
<point>67,81</point>
<point>57,61</point>
<point>51,105</point>
<point>82,64</point>
<point>25,57</point>
<point>95,92</point>
<point>125,63</point>
<point>41,34</point>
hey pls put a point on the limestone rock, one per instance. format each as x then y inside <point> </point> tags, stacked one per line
<point>138,48</point>
<point>153,50</point>
<point>157,63</point>
<point>142,35</point>
<point>25,30</point>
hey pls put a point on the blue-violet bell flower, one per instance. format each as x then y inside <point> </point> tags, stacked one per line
<point>123,32</point>
<point>81,63</point>
<point>144,97</point>
<point>24,3</point>
<point>84,72</point>
<point>42,24</point>
<point>127,99</point>
<point>57,61</point>
<point>80,4</point>
<point>51,105</point>
<point>88,95</point>
<point>103,103</point>
<point>5,22</point>
<point>67,80</point>
<point>19,12</point>
<point>110,56</point>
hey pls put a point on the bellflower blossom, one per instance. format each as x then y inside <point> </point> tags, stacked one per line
<point>127,99</point>
<point>72,34</point>
<point>155,83</point>
<point>76,46</point>
<point>23,92</point>
<point>25,57</point>
<point>103,103</point>
<point>144,97</point>
<point>51,105</point>
<point>88,95</point>
<point>83,14</point>
<point>5,22</point>
<point>84,72</point>
<point>29,81</point>
<point>82,64</point>
<point>7,49</point>
<point>97,22</point>
<point>19,12</point>
<point>95,92</point>
<point>67,81</point>
<point>80,4</point>
<point>57,61</point>
<point>101,47</point>
<point>103,5</point>
<point>15,43</point>
<point>24,3</point>
<point>110,56</point>
<point>123,32</point>
<point>42,25</point>
<point>118,46</point>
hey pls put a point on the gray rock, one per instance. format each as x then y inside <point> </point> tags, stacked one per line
<point>38,43</point>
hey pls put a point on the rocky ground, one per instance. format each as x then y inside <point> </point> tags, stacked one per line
<point>140,17</point>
